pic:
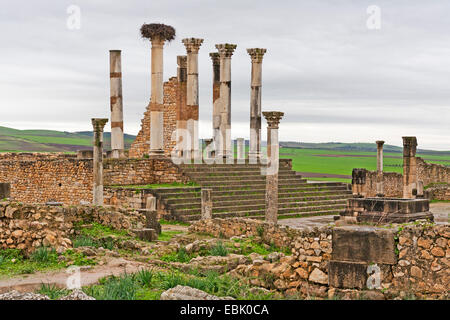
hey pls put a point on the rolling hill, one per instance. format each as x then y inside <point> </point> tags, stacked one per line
<point>14,140</point>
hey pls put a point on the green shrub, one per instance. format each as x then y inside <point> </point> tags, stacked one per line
<point>84,241</point>
<point>51,291</point>
<point>144,277</point>
<point>114,288</point>
<point>218,250</point>
<point>44,255</point>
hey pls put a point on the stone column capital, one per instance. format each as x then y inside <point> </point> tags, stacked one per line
<point>226,49</point>
<point>215,58</point>
<point>273,118</point>
<point>182,62</point>
<point>99,124</point>
<point>192,44</point>
<point>157,42</point>
<point>256,54</point>
<point>379,143</point>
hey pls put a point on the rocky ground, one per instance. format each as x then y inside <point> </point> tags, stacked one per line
<point>179,265</point>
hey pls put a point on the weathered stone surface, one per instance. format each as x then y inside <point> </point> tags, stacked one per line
<point>318,276</point>
<point>347,274</point>
<point>146,234</point>
<point>364,244</point>
<point>15,295</point>
<point>77,294</point>
<point>188,293</point>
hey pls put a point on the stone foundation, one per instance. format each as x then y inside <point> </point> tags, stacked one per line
<point>408,258</point>
<point>26,227</point>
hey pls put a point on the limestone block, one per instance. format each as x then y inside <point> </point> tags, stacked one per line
<point>364,244</point>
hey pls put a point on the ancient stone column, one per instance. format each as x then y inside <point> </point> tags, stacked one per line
<point>216,94</point>
<point>192,46</point>
<point>158,34</point>
<point>115,80</point>
<point>157,99</point>
<point>409,167</point>
<point>273,119</point>
<point>225,52</point>
<point>206,204</point>
<point>256,55</point>
<point>181,114</point>
<point>98,125</point>
<point>240,150</point>
<point>380,187</point>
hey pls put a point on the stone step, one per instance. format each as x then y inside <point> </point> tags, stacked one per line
<point>282,207</point>
<point>258,197</point>
<point>226,174</point>
<point>300,192</point>
<point>250,203</point>
<point>260,214</point>
<point>252,182</point>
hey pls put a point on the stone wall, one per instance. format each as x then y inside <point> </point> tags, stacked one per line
<point>69,180</point>
<point>141,145</point>
<point>393,182</point>
<point>26,227</point>
<point>419,261</point>
<point>438,192</point>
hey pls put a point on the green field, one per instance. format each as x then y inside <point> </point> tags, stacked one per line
<point>13,140</point>
<point>336,162</point>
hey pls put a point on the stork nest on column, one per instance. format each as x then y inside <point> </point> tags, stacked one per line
<point>158,30</point>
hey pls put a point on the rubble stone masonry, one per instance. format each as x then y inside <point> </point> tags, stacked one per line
<point>429,173</point>
<point>26,227</point>
<point>141,146</point>
<point>69,180</point>
<point>421,265</point>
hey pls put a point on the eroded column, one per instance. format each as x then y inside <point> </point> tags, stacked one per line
<point>225,52</point>
<point>115,80</point>
<point>216,102</point>
<point>206,204</point>
<point>181,131</point>
<point>157,99</point>
<point>380,187</point>
<point>409,167</point>
<point>256,55</point>
<point>273,119</point>
<point>240,150</point>
<point>98,125</point>
<point>192,47</point>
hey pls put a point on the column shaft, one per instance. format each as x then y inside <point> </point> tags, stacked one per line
<point>256,55</point>
<point>98,125</point>
<point>115,74</point>
<point>157,99</point>
<point>380,186</point>
<point>192,47</point>
<point>409,167</point>
<point>273,118</point>
<point>225,53</point>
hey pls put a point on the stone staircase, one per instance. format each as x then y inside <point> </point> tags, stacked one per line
<point>238,190</point>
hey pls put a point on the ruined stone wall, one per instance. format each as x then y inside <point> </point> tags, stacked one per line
<point>26,227</point>
<point>141,145</point>
<point>65,180</point>
<point>70,180</point>
<point>420,266</point>
<point>141,171</point>
<point>438,192</point>
<point>431,172</point>
<point>393,182</point>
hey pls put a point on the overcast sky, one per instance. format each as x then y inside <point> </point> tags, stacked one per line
<point>335,78</point>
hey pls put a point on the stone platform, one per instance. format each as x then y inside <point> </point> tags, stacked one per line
<point>386,210</point>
